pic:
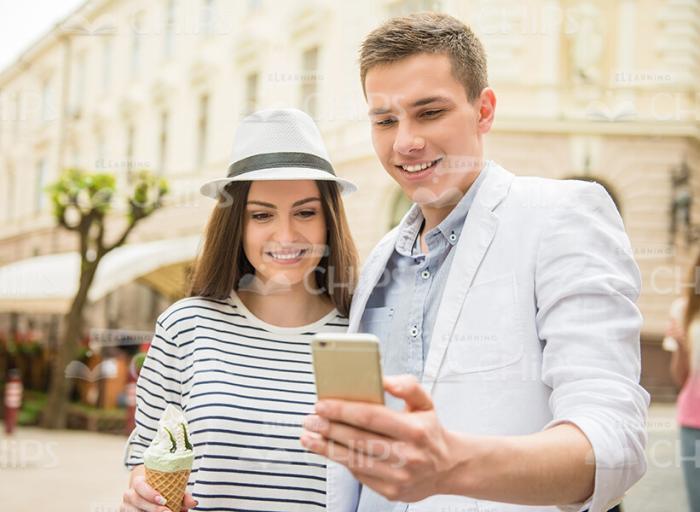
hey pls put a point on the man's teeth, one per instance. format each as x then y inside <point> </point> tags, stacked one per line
<point>286,255</point>
<point>417,167</point>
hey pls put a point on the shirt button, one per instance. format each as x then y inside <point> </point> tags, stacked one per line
<point>414,331</point>
<point>452,237</point>
<point>425,274</point>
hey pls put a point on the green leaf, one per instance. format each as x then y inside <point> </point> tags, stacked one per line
<point>173,447</point>
<point>188,446</point>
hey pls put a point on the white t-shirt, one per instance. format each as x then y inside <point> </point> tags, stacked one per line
<point>245,386</point>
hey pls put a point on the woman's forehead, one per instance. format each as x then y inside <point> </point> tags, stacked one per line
<point>282,192</point>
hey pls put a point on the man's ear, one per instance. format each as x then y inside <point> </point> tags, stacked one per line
<point>487,109</point>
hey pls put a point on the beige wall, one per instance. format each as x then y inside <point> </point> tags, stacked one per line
<point>601,88</point>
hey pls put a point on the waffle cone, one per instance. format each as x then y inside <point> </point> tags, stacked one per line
<point>170,485</point>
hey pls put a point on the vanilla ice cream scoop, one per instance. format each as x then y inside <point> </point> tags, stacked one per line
<point>170,449</point>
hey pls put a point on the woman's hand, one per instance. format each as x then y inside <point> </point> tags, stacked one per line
<point>675,330</point>
<point>141,497</point>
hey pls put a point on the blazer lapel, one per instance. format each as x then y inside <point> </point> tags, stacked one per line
<point>371,273</point>
<point>478,232</point>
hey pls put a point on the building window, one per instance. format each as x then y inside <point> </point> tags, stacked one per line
<point>207,17</point>
<point>169,31</point>
<point>254,5</point>
<point>100,163</point>
<point>106,63</point>
<point>129,150</point>
<point>46,99</point>
<point>251,92</point>
<point>10,198</point>
<point>79,89</point>
<point>136,45</point>
<point>309,81</point>
<point>163,143</point>
<point>202,128</point>
<point>404,7</point>
<point>40,184</point>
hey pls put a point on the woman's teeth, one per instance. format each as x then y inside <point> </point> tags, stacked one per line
<point>286,255</point>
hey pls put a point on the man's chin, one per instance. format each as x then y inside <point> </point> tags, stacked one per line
<point>425,197</point>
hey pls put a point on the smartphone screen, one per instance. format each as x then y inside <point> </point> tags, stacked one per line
<point>348,367</point>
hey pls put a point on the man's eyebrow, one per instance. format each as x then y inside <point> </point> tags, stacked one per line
<point>430,99</point>
<point>297,203</point>
<point>418,103</point>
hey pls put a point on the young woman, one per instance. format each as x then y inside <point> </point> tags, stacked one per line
<point>683,340</point>
<point>277,266</point>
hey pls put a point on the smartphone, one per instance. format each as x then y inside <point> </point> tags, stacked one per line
<point>348,367</point>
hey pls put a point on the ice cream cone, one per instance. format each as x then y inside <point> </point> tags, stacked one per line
<point>169,457</point>
<point>171,485</point>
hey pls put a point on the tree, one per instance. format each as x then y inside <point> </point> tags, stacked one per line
<point>81,202</point>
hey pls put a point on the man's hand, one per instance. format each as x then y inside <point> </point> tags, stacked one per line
<point>401,455</point>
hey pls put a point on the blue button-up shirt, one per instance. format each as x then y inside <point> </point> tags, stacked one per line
<point>402,308</point>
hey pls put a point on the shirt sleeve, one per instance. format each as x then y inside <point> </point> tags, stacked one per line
<point>587,283</point>
<point>157,386</point>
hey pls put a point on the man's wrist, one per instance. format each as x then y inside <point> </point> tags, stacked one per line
<point>461,478</point>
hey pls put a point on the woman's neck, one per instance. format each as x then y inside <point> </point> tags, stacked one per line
<point>289,307</point>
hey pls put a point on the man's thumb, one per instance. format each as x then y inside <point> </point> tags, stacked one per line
<point>410,391</point>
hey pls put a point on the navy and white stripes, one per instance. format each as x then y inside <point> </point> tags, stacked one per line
<point>245,386</point>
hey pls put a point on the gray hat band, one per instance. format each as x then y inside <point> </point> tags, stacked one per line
<point>276,160</point>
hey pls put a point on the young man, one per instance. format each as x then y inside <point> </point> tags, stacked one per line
<point>510,299</point>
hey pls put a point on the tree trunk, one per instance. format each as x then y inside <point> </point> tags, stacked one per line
<point>55,413</point>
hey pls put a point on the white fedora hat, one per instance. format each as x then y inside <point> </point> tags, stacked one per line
<point>277,144</point>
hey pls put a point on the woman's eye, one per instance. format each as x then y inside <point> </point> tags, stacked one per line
<point>305,214</point>
<point>260,216</point>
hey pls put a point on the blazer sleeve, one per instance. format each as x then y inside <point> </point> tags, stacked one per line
<point>586,285</point>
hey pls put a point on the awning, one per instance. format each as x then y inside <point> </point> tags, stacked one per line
<point>47,284</point>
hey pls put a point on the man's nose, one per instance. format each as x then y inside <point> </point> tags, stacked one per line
<point>407,140</point>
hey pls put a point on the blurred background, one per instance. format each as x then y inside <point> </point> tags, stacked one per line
<point>603,90</point>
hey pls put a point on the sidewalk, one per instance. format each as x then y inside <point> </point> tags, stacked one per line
<point>61,471</point>
<point>662,488</point>
<point>70,471</point>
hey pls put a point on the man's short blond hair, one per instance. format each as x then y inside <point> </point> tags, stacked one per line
<point>428,32</point>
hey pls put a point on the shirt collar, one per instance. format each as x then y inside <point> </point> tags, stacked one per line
<point>450,227</point>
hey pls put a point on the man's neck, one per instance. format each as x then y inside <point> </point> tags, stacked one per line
<point>435,213</point>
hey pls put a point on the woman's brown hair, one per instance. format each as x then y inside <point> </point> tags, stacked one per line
<point>692,294</point>
<point>222,263</point>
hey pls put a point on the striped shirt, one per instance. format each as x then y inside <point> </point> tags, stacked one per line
<point>245,386</point>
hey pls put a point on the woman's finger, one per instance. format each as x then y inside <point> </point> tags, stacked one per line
<point>134,499</point>
<point>147,492</point>
<point>188,502</point>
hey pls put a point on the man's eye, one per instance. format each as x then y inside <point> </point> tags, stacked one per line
<point>432,113</point>
<point>260,216</point>
<point>385,122</point>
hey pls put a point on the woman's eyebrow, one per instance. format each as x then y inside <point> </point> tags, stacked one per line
<point>304,201</point>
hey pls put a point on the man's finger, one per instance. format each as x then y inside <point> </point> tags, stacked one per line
<point>371,417</point>
<point>357,462</point>
<point>351,437</point>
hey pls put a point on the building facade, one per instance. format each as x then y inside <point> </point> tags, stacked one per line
<point>591,89</point>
